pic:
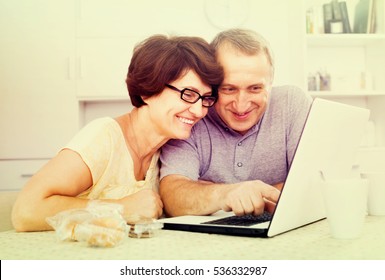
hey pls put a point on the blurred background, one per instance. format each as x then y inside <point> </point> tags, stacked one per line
<point>64,62</point>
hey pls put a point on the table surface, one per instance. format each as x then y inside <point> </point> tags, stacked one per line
<point>312,242</point>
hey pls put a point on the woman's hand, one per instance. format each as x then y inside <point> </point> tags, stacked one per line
<point>143,205</point>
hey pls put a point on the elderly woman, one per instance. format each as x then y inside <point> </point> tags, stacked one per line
<point>171,83</point>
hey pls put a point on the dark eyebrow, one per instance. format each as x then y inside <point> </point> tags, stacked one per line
<point>258,85</point>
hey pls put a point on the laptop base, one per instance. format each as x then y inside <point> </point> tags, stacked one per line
<point>246,232</point>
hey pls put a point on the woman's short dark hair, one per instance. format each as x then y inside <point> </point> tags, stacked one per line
<point>160,60</point>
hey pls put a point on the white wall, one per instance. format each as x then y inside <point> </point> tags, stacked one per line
<point>107,31</point>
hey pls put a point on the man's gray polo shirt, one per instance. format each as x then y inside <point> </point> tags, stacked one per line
<point>218,154</point>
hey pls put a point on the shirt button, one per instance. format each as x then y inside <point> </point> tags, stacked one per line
<point>240,144</point>
<point>239,164</point>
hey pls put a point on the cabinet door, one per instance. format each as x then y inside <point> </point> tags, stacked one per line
<point>108,29</point>
<point>126,18</point>
<point>38,109</point>
<point>102,65</point>
<point>16,173</point>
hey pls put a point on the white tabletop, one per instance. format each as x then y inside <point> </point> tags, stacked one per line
<point>309,242</point>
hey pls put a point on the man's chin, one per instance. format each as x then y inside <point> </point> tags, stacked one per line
<point>242,129</point>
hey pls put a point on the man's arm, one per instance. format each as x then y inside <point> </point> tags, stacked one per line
<point>182,196</point>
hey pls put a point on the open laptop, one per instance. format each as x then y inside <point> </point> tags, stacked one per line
<point>329,140</point>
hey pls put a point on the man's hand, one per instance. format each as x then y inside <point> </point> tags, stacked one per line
<point>250,197</point>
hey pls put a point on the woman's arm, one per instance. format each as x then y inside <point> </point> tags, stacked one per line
<point>51,190</point>
<point>54,189</point>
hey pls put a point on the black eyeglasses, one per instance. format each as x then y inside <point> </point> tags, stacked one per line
<point>192,96</point>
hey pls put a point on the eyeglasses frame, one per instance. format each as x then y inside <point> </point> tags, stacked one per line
<point>200,96</point>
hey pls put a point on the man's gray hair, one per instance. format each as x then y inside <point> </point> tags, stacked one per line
<point>246,41</point>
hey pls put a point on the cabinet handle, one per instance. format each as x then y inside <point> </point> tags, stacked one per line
<point>26,175</point>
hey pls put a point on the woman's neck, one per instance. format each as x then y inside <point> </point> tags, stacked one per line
<point>141,134</point>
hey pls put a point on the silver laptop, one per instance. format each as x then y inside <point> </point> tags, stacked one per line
<point>329,140</point>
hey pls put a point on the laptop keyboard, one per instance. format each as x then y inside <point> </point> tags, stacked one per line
<point>246,220</point>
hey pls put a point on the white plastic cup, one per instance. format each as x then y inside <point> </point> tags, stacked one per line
<point>346,206</point>
<point>376,193</point>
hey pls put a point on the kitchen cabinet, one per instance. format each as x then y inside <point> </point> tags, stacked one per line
<point>38,109</point>
<point>38,105</point>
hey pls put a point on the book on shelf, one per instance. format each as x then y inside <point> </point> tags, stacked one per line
<point>333,17</point>
<point>327,16</point>
<point>365,17</point>
<point>336,17</point>
<point>345,17</point>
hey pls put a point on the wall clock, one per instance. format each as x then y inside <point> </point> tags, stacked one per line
<point>227,13</point>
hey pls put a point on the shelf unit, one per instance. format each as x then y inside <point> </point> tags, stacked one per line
<point>347,57</point>
<point>358,93</point>
<point>354,63</point>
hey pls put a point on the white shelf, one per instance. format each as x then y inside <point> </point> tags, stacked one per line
<point>347,93</point>
<point>343,40</point>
